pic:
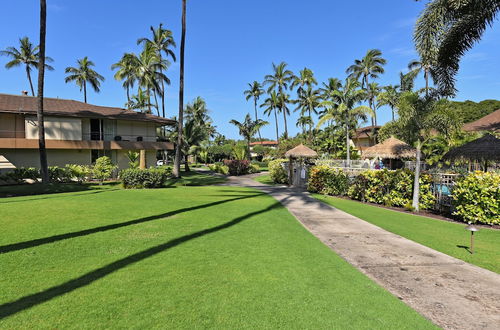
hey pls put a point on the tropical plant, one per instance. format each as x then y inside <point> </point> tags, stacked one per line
<point>140,102</point>
<point>254,91</point>
<point>304,80</point>
<point>447,29</point>
<point>370,66</point>
<point>192,135</point>
<point>280,80</point>
<point>407,81</point>
<point>248,128</point>
<point>343,107</point>
<point>161,42</point>
<point>419,118</point>
<point>372,92</point>
<point>83,74</point>
<point>417,66</point>
<point>177,160</point>
<point>127,71</point>
<point>133,158</point>
<point>271,105</point>
<point>103,168</point>
<point>239,152</point>
<point>28,56</point>
<point>390,97</point>
<point>308,102</point>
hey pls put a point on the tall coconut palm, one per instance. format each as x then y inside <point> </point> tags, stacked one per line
<point>446,30</point>
<point>370,66</point>
<point>303,122</point>
<point>280,80</point>
<point>419,119</point>
<point>140,102</point>
<point>177,161</point>
<point>248,128</point>
<point>127,71</point>
<point>83,74</point>
<point>254,91</point>
<point>372,92</point>
<point>390,97</point>
<point>304,80</point>
<point>271,105</point>
<point>416,66</point>
<point>308,102</point>
<point>344,106</point>
<point>330,87</point>
<point>44,170</point>
<point>162,42</point>
<point>407,81</point>
<point>28,56</point>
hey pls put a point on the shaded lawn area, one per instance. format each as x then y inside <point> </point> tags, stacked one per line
<point>446,237</point>
<point>182,257</point>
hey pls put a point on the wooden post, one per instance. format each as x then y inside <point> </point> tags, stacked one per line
<point>290,171</point>
<point>142,159</point>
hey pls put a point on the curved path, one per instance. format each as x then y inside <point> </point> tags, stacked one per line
<point>451,293</point>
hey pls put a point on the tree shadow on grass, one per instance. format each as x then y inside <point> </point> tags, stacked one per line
<point>46,240</point>
<point>83,192</point>
<point>29,301</point>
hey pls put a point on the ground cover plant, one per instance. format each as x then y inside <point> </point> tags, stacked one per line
<point>443,236</point>
<point>211,257</point>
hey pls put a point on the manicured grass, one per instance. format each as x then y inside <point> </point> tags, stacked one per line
<point>181,257</point>
<point>196,179</point>
<point>447,237</point>
<point>53,188</point>
<point>265,178</point>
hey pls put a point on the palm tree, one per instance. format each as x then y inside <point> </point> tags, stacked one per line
<point>127,71</point>
<point>446,30</point>
<point>419,119</point>
<point>83,74</point>
<point>303,122</point>
<point>272,104</point>
<point>140,102</point>
<point>254,91</point>
<point>305,79</point>
<point>198,113</point>
<point>308,101</point>
<point>370,66</point>
<point>390,97</point>
<point>342,106</point>
<point>26,55</point>
<point>330,87</point>
<point>161,42</point>
<point>177,161</point>
<point>44,170</point>
<point>248,128</point>
<point>407,81</point>
<point>280,79</point>
<point>416,67</point>
<point>372,92</point>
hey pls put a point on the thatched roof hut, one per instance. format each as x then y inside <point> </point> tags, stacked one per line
<point>485,148</point>
<point>301,151</point>
<point>391,148</point>
<point>489,122</point>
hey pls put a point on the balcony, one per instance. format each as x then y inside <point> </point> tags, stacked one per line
<point>20,143</point>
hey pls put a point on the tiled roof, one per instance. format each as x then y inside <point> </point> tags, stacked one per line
<point>264,143</point>
<point>366,131</point>
<point>70,108</point>
<point>489,122</point>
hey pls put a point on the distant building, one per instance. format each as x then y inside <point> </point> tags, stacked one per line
<point>365,137</point>
<point>272,144</point>
<point>75,132</point>
<point>490,123</point>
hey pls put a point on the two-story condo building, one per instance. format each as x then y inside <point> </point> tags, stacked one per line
<point>75,132</point>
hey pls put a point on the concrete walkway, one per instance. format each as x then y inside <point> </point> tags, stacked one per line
<point>451,293</point>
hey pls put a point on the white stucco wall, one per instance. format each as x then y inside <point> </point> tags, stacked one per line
<point>56,128</point>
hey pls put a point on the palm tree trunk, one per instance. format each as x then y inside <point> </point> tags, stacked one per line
<point>29,79</point>
<point>310,126</point>
<point>286,128</point>
<point>416,182</point>
<point>128,96</point>
<point>162,90</point>
<point>392,110</point>
<point>256,117</point>
<point>85,91</point>
<point>347,141</point>
<point>44,171</point>
<point>248,150</point>
<point>156,102</point>
<point>177,161</point>
<point>276,121</point>
<point>186,163</point>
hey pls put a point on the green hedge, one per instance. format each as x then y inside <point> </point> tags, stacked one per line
<point>68,173</point>
<point>219,168</point>
<point>476,198</point>
<point>391,188</point>
<point>277,172</point>
<point>145,178</point>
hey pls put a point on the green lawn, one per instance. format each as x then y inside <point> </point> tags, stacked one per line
<point>179,257</point>
<point>265,178</point>
<point>447,237</point>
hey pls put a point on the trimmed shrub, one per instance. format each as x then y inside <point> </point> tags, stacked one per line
<point>59,174</point>
<point>238,167</point>
<point>476,198</point>
<point>328,181</point>
<point>145,178</point>
<point>254,168</point>
<point>103,168</point>
<point>277,171</point>
<point>20,174</point>
<point>219,168</point>
<point>78,173</point>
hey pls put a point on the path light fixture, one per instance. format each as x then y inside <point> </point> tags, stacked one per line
<point>472,229</point>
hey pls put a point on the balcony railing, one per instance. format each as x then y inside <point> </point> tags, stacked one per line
<point>96,136</point>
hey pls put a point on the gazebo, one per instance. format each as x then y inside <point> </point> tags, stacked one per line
<point>300,151</point>
<point>391,148</point>
<point>484,149</point>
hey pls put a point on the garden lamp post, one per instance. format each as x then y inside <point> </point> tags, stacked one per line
<point>472,229</point>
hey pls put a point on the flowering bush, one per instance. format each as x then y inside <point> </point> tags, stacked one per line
<point>237,167</point>
<point>277,171</point>
<point>328,181</point>
<point>477,198</point>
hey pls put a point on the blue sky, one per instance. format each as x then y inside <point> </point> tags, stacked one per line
<point>231,43</point>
